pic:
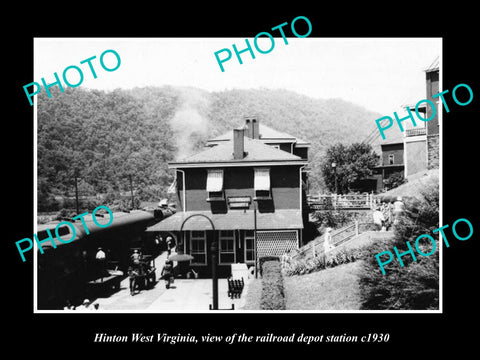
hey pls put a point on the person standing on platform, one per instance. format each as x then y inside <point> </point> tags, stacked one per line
<point>167,273</point>
<point>169,245</point>
<point>398,210</point>
<point>100,259</point>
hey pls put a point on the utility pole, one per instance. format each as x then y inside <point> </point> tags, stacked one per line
<point>334,166</point>
<point>131,188</point>
<point>255,236</point>
<point>213,249</point>
<point>76,193</point>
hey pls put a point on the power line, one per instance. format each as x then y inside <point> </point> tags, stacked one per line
<point>373,135</point>
<point>370,136</point>
<point>374,138</point>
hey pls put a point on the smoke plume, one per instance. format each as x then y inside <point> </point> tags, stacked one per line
<point>189,124</point>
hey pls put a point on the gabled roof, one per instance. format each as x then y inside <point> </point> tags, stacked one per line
<point>256,152</point>
<point>267,134</point>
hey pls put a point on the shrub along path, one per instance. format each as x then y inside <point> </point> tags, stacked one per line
<point>334,288</point>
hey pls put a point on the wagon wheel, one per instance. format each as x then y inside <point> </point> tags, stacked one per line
<point>152,279</point>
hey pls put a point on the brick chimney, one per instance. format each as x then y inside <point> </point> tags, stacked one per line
<point>252,127</point>
<point>238,144</point>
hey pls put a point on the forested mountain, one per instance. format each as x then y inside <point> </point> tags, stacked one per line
<point>103,138</point>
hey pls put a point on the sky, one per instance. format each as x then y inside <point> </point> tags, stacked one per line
<point>379,74</point>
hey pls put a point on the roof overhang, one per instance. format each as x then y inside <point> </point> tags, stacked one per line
<point>284,219</point>
<point>396,166</point>
<point>293,140</point>
<point>175,165</point>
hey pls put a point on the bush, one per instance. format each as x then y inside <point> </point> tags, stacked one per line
<point>302,266</point>
<point>47,202</point>
<point>124,204</point>
<point>67,203</point>
<point>89,204</point>
<point>416,284</point>
<point>273,297</point>
<point>65,214</point>
<point>263,259</point>
<point>333,218</point>
<point>393,181</point>
<point>338,218</point>
<point>412,287</point>
<point>336,257</point>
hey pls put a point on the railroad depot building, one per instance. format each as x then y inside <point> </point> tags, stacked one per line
<point>252,178</point>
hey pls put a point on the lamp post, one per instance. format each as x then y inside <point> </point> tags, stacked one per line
<point>213,250</point>
<point>255,236</point>
<point>334,166</point>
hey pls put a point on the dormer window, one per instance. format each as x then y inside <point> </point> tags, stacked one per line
<point>262,184</point>
<point>215,185</point>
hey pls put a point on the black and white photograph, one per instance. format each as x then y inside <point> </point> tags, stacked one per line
<point>219,181</point>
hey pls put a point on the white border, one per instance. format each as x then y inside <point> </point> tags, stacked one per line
<point>440,180</point>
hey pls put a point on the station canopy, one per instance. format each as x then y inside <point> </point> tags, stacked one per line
<point>232,220</point>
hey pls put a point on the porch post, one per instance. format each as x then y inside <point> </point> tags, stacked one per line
<point>213,249</point>
<point>255,237</point>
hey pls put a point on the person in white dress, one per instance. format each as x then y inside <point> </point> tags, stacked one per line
<point>378,219</point>
<point>327,242</point>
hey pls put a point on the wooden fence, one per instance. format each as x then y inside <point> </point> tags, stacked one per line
<point>339,237</point>
<point>335,201</point>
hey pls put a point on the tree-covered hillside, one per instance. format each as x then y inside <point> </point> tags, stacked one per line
<point>103,138</point>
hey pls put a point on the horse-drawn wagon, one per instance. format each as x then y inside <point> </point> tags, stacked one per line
<point>142,275</point>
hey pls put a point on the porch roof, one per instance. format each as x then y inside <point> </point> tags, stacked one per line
<point>233,219</point>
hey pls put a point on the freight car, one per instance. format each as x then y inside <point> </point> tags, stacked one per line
<point>63,272</point>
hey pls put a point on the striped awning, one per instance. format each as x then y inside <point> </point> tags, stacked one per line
<point>173,187</point>
<point>215,180</point>
<point>262,179</point>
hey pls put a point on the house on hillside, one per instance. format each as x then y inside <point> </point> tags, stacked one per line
<point>391,163</point>
<point>417,148</point>
<point>433,126</point>
<point>251,178</point>
<point>421,143</point>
